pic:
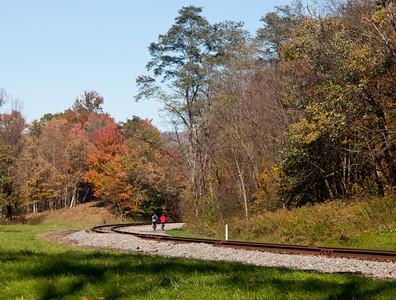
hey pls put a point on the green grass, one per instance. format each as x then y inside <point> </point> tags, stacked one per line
<point>33,268</point>
<point>183,233</point>
<point>384,239</point>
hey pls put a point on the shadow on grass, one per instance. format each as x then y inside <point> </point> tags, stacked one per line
<point>325,286</point>
<point>7,230</point>
<point>114,275</point>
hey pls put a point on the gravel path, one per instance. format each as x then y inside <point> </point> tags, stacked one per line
<point>129,243</point>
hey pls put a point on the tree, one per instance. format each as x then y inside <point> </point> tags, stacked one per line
<point>153,169</point>
<point>105,166</point>
<point>278,27</point>
<point>29,166</point>
<point>86,106</point>
<point>77,150</point>
<point>130,167</point>
<point>11,129</point>
<point>3,97</point>
<point>339,76</point>
<point>376,25</point>
<point>181,58</point>
<point>191,58</point>
<point>6,181</point>
<point>52,168</point>
<point>244,128</point>
<point>248,121</point>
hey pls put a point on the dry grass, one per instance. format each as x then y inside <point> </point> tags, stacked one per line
<point>362,223</point>
<point>87,214</point>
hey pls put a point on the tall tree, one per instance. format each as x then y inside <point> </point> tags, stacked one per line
<point>11,130</point>
<point>105,166</point>
<point>180,59</point>
<point>278,27</point>
<point>7,193</point>
<point>52,147</point>
<point>78,147</point>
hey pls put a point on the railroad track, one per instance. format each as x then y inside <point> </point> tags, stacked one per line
<point>362,254</point>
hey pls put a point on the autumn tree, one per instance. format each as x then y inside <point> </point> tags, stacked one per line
<point>178,59</point>
<point>29,170</point>
<point>105,166</point>
<point>52,168</point>
<point>86,109</point>
<point>186,59</point>
<point>11,129</point>
<point>248,117</point>
<point>6,182</point>
<point>376,27</point>
<point>340,77</point>
<point>131,168</point>
<point>78,147</point>
<point>82,154</point>
<point>249,121</point>
<point>153,169</point>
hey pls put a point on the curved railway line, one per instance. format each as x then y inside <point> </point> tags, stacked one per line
<point>362,254</point>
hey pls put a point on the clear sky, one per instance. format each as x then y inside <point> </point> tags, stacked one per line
<point>51,51</point>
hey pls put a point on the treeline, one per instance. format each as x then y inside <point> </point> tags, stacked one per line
<point>301,112</point>
<point>83,155</point>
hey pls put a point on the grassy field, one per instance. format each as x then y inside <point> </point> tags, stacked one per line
<point>34,268</point>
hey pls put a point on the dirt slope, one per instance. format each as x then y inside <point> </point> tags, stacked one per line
<point>87,214</point>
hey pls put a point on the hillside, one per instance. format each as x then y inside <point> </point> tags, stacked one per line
<point>365,222</point>
<point>87,214</point>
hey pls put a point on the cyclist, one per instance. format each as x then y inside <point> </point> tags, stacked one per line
<point>163,220</point>
<point>154,220</point>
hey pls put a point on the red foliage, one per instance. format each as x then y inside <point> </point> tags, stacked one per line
<point>11,129</point>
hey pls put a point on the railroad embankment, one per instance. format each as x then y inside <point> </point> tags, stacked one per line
<point>362,223</point>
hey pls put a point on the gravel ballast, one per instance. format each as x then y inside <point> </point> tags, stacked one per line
<point>130,243</point>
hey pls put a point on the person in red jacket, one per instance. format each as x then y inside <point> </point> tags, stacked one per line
<point>163,220</point>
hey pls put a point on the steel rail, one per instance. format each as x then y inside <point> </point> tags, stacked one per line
<point>363,254</point>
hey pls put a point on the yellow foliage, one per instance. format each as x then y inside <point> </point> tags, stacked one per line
<point>268,182</point>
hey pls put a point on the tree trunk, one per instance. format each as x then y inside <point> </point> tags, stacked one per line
<point>9,211</point>
<point>74,199</point>
<point>245,201</point>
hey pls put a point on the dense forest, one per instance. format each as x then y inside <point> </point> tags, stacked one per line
<point>83,155</point>
<point>303,111</point>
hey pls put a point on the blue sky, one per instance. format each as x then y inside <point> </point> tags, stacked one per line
<point>51,51</point>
